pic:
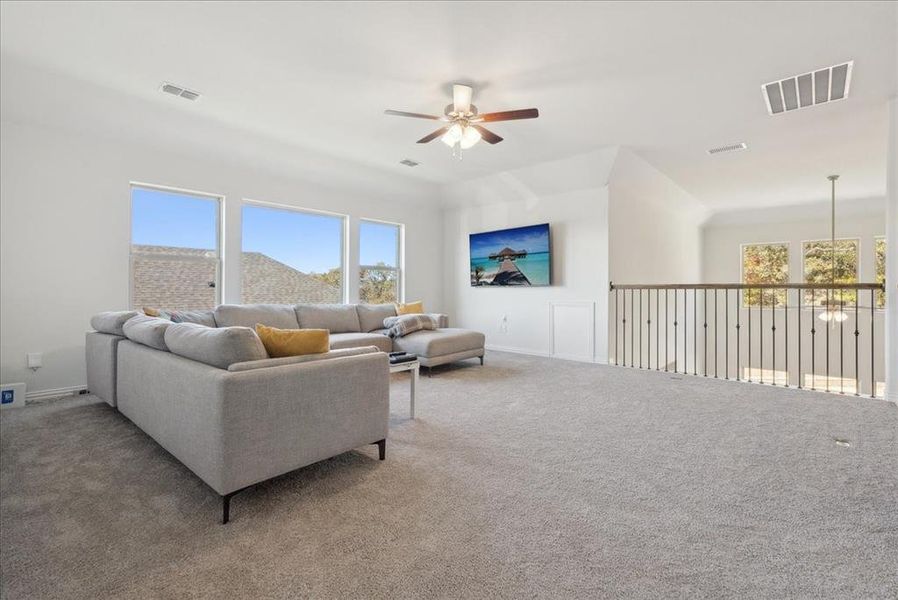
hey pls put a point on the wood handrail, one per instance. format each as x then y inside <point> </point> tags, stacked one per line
<point>745,286</point>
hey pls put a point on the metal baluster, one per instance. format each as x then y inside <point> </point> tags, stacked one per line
<point>761,334</point>
<point>676,362</point>
<point>715,334</point>
<point>666,321</point>
<point>624,330</point>
<point>872,350</point>
<point>800,292</point>
<point>786,325</point>
<point>657,331</point>
<point>813,341</point>
<point>648,335</point>
<point>842,339</point>
<point>686,329</point>
<point>632,327</point>
<point>726,333</point>
<point>857,370</point>
<point>739,295</point>
<point>616,322</point>
<point>694,334</point>
<point>749,335</point>
<point>640,328</point>
<point>773,337</point>
<point>829,308</point>
<point>705,327</point>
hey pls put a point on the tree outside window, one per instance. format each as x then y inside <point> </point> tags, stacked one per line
<point>818,268</point>
<point>880,262</point>
<point>765,263</point>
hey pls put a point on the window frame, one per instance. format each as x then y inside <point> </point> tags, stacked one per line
<point>344,236</point>
<point>857,267</point>
<point>399,269</point>
<point>742,248</point>
<point>219,235</point>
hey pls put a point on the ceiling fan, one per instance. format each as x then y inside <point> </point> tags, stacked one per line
<point>463,126</point>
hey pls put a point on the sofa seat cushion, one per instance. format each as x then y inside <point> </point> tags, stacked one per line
<point>336,318</point>
<point>357,340</point>
<point>219,347</point>
<point>281,316</point>
<point>149,331</point>
<point>112,322</point>
<point>371,316</point>
<point>440,342</point>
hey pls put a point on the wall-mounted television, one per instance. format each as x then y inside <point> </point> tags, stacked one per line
<point>511,257</point>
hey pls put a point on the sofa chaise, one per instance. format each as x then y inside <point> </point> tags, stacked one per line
<point>206,391</point>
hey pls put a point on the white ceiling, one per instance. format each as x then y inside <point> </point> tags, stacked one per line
<point>666,79</point>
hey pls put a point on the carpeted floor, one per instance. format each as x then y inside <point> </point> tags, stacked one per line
<point>524,478</point>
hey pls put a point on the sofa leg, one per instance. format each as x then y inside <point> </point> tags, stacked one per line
<point>481,361</point>
<point>226,508</point>
<point>382,449</point>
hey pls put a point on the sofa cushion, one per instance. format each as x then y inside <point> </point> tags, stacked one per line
<point>439,342</point>
<point>281,316</point>
<point>336,318</point>
<point>149,331</point>
<point>112,321</point>
<point>293,360</point>
<point>357,340</point>
<point>292,342</point>
<point>371,316</point>
<point>218,347</point>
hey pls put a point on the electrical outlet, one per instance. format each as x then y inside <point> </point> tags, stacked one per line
<point>35,360</point>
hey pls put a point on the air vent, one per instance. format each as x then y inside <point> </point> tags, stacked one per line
<point>409,162</point>
<point>808,89</point>
<point>730,148</point>
<point>181,92</point>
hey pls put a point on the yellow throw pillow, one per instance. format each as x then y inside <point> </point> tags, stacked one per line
<point>411,308</point>
<point>151,312</point>
<point>293,342</point>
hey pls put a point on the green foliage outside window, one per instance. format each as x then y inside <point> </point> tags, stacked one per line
<point>880,270</point>
<point>765,263</point>
<point>378,286</point>
<point>818,268</point>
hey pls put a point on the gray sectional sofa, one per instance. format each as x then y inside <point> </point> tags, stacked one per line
<point>206,391</point>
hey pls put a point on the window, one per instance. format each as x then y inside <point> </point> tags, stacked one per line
<point>291,256</point>
<point>765,263</point>
<point>175,260</point>
<point>880,263</point>
<point>818,256</point>
<point>380,262</point>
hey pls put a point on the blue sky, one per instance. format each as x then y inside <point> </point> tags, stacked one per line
<point>305,241</point>
<point>533,239</point>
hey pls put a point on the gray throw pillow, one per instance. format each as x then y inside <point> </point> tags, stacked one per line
<point>219,347</point>
<point>111,321</point>
<point>149,331</point>
<point>405,324</point>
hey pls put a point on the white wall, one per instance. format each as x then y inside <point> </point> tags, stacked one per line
<point>654,238</point>
<point>572,196</point>
<point>64,232</point>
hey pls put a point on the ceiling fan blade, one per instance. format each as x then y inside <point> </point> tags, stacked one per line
<point>461,97</point>
<point>430,137</point>
<point>487,135</point>
<point>402,113</point>
<point>508,115</point>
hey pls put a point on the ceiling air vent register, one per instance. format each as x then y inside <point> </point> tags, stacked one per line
<point>728,148</point>
<point>181,92</point>
<point>409,162</point>
<point>808,89</point>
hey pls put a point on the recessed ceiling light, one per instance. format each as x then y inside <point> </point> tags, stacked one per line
<point>409,162</point>
<point>180,91</point>
<point>728,148</point>
<point>808,89</point>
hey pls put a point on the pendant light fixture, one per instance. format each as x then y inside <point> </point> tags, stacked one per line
<point>832,314</point>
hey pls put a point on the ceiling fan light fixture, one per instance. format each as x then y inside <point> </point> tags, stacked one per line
<point>470,137</point>
<point>453,136</point>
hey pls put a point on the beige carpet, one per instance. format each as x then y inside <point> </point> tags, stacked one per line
<point>524,478</point>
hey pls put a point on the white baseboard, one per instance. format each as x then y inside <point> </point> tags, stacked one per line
<point>54,393</point>
<point>514,350</point>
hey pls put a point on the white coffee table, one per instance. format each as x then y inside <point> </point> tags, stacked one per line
<point>414,367</point>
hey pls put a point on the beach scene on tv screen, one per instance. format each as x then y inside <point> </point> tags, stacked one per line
<point>511,257</point>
